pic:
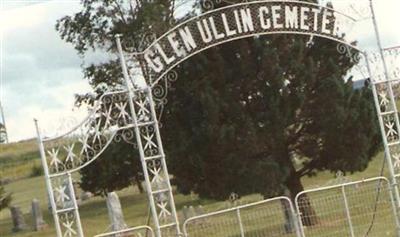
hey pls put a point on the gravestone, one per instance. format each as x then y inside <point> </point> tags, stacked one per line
<point>75,185</point>
<point>67,203</point>
<point>200,210</point>
<point>115,212</point>
<point>185,212</point>
<point>192,212</point>
<point>86,196</point>
<point>17,219</point>
<point>5,181</point>
<point>38,222</point>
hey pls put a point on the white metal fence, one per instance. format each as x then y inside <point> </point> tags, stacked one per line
<point>140,231</point>
<point>362,208</point>
<point>273,217</point>
<point>356,209</point>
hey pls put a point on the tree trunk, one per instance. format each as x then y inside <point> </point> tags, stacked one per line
<point>289,225</point>
<point>307,212</point>
<point>139,183</point>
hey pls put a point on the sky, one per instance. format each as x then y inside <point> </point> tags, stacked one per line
<point>40,73</point>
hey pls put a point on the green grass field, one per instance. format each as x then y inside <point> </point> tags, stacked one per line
<point>17,159</point>
<point>94,216</point>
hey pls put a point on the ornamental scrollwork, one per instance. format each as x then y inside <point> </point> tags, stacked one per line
<point>160,91</point>
<point>208,5</point>
<point>110,119</point>
<point>392,56</point>
<point>395,153</point>
<point>357,58</point>
<point>126,135</point>
<point>349,52</point>
<point>59,126</point>
<point>358,9</point>
<point>68,224</point>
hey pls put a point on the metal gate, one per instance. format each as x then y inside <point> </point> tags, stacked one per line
<point>362,208</point>
<point>273,217</point>
<point>131,114</point>
<point>140,231</point>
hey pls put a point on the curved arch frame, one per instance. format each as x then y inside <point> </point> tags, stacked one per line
<point>258,30</point>
<point>252,35</point>
<point>143,119</point>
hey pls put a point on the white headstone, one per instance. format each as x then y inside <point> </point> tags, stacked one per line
<point>192,212</point>
<point>185,212</point>
<point>115,212</point>
<point>67,203</point>
<point>200,210</point>
<point>86,195</point>
<point>38,222</point>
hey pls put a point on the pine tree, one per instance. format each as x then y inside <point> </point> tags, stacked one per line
<point>250,116</point>
<point>256,115</point>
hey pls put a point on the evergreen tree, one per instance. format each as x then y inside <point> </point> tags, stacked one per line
<point>256,115</point>
<point>250,116</point>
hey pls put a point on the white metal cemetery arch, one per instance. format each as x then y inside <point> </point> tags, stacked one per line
<point>131,114</point>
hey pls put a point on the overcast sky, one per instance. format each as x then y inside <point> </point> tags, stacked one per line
<point>40,73</point>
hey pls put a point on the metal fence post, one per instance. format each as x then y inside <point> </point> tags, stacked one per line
<point>299,214</point>
<point>47,179</point>
<point>240,222</point>
<point>296,220</point>
<point>394,207</point>
<point>73,197</point>
<point>348,215</point>
<point>388,147</point>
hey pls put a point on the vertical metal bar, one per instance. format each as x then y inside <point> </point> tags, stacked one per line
<point>48,181</point>
<point>73,197</point>
<point>138,139</point>
<point>299,214</point>
<point>393,102</point>
<point>348,215</point>
<point>159,141</point>
<point>391,95</point>
<point>295,218</point>
<point>393,182</point>
<point>239,217</point>
<point>4,122</point>
<point>392,201</point>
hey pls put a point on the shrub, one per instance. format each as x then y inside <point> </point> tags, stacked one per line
<point>36,171</point>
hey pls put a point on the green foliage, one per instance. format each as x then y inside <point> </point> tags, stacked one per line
<point>253,115</point>
<point>118,167</point>
<point>36,171</point>
<point>5,198</point>
<point>17,159</point>
<point>95,28</point>
<point>254,107</point>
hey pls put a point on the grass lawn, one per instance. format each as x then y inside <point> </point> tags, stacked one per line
<point>18,159</point>
<point>94,212</point>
